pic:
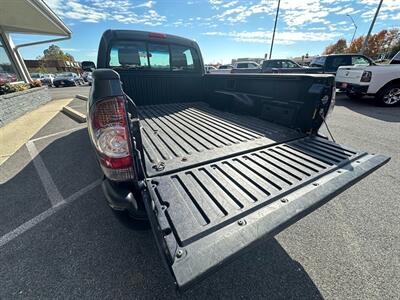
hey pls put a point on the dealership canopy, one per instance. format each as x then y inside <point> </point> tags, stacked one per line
<point>32,17</point>
<point>26,17</point>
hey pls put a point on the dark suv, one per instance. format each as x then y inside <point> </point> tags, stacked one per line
<point>330,63</point>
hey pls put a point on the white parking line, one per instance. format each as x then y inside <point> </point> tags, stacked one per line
<point>58,133</point>
<point>52,191</point>
<point>44,215</point>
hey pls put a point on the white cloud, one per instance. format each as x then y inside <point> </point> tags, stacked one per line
<point>345,11</point>
<point>148,4</point>
<point>229,4</point>
<point>335,9</point>
<point>123,11</point>
<point>286,37</point>
<point>390,10</point>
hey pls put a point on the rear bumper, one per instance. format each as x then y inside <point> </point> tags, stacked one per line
<point>352,88</point>
<point>120,197</point>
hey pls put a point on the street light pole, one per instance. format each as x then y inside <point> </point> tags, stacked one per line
<point>370,28</point>
<point>355,28</point>
<point>273,34</point>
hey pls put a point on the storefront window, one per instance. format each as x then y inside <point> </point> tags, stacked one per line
<point>8,71</point>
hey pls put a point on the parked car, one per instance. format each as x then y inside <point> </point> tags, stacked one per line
<point>67,79</point>
<point>85,75</point>
<point>88,66</point>
<point>37,76</point>
<point>214,162</point>
<point>246,65</point>
<point>279,66</point>
<point>380,81</point>
<point>225,67</point>
<point>48,79</point>
<point>222,69</point>
<point>89,78</point>
<point>330,63</point>
<point>210,69</point>
<point>6,77</point>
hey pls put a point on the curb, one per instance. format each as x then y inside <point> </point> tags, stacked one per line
<point>81,97</point>
<point>74,114</point>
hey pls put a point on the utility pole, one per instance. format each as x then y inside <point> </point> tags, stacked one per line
<point>370,28</point>
<point>273,34</point>
<point>355,28</point>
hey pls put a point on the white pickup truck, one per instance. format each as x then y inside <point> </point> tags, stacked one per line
<point>381,81</point>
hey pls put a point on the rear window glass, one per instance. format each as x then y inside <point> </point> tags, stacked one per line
<point>153,56</point>
<point>318,62</point>
<point>183,58</point>
<point>272,64</point>
<point>242,65</point>
<point>339,61</point>
<point>159,56</point>
<point>288,64</point>
<point>129,55</point>
<point>359,60</point>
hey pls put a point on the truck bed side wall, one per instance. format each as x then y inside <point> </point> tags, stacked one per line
<point>289,100</point>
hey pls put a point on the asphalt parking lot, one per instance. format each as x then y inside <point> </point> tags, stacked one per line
<point>58,238</point>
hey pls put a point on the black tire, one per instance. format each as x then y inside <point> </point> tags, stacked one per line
<point>354,96</point>
<point>389,95</point>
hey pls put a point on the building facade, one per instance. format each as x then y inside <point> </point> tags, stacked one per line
<point>26,17</point>
<point>52,66</point>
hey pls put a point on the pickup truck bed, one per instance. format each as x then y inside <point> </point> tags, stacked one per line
<point>219,181</point>
<point>216,162</point>
<point>180,135</point>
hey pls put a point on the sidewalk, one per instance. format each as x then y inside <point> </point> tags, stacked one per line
<point>18,132</point>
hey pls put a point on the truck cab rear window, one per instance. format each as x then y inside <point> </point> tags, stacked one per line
<point>129,55</point>
<point>183,58</point>
<point>154,56</point>
<point>159,56</point>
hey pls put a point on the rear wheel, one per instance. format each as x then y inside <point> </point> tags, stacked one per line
<point>354,96</point>
<point>390,95</point>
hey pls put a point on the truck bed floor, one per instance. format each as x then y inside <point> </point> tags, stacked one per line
<point>177,136</point>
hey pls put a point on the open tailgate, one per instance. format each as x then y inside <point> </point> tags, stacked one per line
<point>204,216</point>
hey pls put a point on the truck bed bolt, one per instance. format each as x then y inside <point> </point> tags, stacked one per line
<point>241,222</point>
<point>179,253</point>
<point>284,200</point>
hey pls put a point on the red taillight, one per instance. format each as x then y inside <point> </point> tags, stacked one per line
<point>157,35</point>
<point>109,132</point>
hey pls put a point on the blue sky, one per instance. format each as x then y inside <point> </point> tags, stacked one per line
<point>224,29</point>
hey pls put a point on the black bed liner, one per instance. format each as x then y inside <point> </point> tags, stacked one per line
<point>218,182</point>
<point>206,215</point>
<point>205,198</point>
<point>181,135</point>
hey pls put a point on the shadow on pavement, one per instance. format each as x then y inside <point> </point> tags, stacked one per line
<point>368,106</point>
<point>83,251</point>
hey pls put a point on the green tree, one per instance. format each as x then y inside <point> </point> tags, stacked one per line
<point>55,52</point>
